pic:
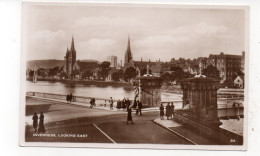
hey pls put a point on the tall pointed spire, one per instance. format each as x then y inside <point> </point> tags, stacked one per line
<point>128,44</point>
<point>128,53</point>
<point>72,44</point>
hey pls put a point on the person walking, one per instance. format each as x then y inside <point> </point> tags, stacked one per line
<point>94,102</point>
<point>173,109</point>
<point>129,115</point>
<point>118,106</point>
<point>41,124</point>
<point>128,102</point>
<point>161,112</point>
<point>35,121</point>
<point>68,98</point>
<point>124,104</point>
<point>139,107</point>
<point>91,103</point>
<point>168,111</point>
<point>111,103</point>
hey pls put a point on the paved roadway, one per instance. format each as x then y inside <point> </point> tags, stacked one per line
<point>96,126</point>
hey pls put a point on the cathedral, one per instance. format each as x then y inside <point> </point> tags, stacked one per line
<point>71,61</point>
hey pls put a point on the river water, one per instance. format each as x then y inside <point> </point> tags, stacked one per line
<point>98,91</point>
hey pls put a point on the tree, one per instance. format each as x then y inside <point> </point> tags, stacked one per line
<point>103,73</point>
<point>167,77</point>
<point>105,65</point>
<point>87,74</point>
<point>75,72</point>
<point>63,75</point>
<point>115,76</point>
<point>179,73</point>
<point>212,72</point>
<point>130,73</point>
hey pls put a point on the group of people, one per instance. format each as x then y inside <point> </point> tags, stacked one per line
<point>169,111</point>
<point>123,104</point>
<point>41,128</point>
<point>69,98</point>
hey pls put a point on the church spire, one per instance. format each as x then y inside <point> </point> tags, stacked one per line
<point>72,44</point>
<point>128,53</point>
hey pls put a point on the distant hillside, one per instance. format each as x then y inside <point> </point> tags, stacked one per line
<point>44,64</point>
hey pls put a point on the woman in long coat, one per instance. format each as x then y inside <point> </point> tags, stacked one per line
<point>168,111</point>
<point>41,124</point>
<point>161,112</point>
<point>129,115</point>
<point>35,121</point>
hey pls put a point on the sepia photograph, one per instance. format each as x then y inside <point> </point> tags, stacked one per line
<point>115,75</point>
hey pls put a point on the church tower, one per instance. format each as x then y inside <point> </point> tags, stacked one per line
<point>128,53</point>
<point>70,58</point>
<point>73,51</point>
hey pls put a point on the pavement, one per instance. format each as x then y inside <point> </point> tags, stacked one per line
<point>184,132</point>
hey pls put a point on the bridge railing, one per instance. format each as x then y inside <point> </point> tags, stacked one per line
<point>81,99</point>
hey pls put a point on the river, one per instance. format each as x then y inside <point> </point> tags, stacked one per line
<point>100,91</point>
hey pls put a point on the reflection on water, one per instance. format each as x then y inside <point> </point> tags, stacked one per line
<point>101,91</point>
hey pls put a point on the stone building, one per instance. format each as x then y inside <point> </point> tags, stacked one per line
<point>112,60</point>
<point>71,60</point>
<point>227,64</point>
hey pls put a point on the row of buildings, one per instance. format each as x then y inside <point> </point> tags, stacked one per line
<point>228,65</point>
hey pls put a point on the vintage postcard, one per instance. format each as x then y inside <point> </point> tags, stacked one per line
<point>113,75</point>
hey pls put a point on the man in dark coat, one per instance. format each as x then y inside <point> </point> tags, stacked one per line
<point>139,107</point>
<point>71,97</point>
<point>35,121</point>
<point>173,109</point>
<point>161,111</point>
<point>111,103</point>
<point>129,115</point>
<point>68,98</point>
<point>168,111</point>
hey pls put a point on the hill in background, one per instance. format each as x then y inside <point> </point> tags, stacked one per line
<point>51,63</point>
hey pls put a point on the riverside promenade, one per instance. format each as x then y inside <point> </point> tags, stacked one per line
<point>102,125</point>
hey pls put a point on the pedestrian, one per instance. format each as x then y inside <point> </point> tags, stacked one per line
<point>111,103</point>
<point>139,107</point>
<point>41,124</point>
<point>173,109</point>
<point>129,115</point>
<point>68,98</point>
<point>161,112</point>
<point>91,103</point>
<point>128,102</point>
<point>124,104</point>
<point>168,111</point>
<point>35,121</point>
<point>94,102</point>
<point>118,106</point>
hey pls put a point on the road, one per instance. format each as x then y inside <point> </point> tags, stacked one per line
<point>72,123</point>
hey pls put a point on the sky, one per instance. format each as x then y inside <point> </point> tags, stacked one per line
<point>156,31</point>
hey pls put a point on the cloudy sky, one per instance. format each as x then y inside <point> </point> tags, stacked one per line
<point>156,32</point>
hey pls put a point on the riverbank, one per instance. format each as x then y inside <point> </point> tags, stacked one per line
<point>85,82</point>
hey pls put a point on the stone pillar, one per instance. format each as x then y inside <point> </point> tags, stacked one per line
<point>149,90</point>
<point>201,94</point>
